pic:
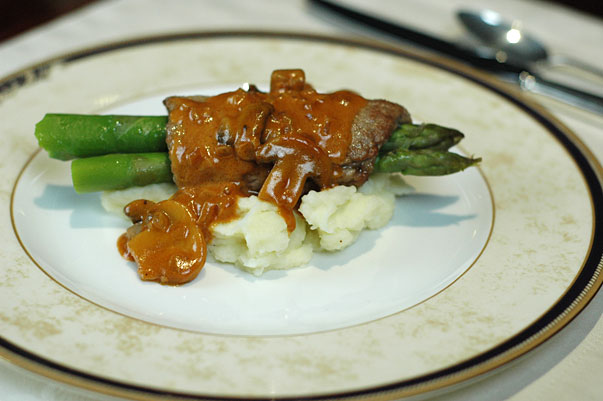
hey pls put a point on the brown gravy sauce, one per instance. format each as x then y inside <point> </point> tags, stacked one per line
<point>275,145</point>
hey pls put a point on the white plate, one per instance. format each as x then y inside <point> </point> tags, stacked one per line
<point>445,292</point>
<point>438,232</point>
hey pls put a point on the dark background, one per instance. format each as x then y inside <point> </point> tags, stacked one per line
<point>19,16</point>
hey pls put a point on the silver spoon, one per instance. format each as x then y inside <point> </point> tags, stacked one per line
<point>513,44</point>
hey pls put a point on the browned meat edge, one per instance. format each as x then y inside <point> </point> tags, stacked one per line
<point>371,128</point>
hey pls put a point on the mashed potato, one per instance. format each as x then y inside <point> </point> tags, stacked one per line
<point>114,201</point>
<point>258,240</point>
<point>339,214</point>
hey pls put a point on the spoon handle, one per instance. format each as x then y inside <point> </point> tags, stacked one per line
<point>563,60</point>
<point>574,97</point>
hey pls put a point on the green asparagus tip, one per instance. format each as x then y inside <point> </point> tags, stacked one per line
<point>423,162</point>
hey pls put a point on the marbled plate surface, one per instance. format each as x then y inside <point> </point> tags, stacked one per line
<point>539,266</point>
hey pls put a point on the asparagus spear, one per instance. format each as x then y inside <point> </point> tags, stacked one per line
<point>422,162</point>
<point>422,136</point>
<point>119,171</point>
<point>69,136</point>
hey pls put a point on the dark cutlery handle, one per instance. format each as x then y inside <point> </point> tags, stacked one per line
<point>520,74</point>
<point>470,56</point>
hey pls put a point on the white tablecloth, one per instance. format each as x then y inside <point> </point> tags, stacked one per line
<point>568,366</point>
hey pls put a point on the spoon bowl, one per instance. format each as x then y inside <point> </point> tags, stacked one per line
<point>510,42</point>
<point>489,27</point>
